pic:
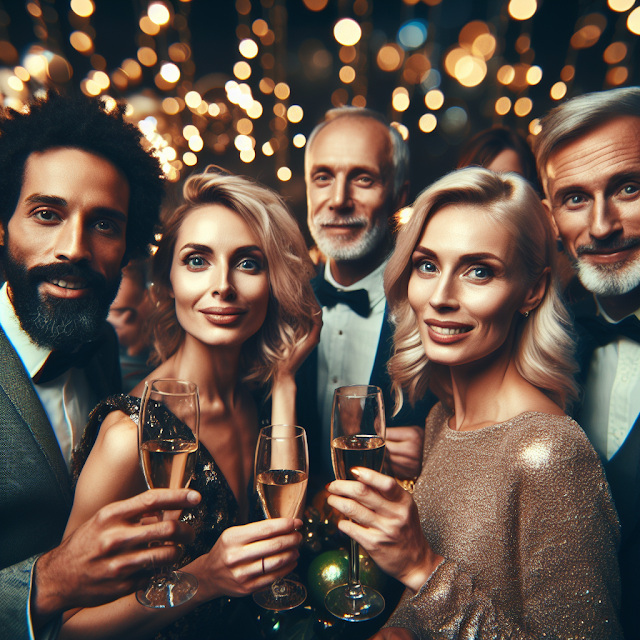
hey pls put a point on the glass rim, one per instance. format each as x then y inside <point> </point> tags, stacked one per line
<point>347,391</point>
<point>300,431</point>
<point>192,387</point>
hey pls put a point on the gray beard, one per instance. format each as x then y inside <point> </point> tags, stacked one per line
<point>339,249</point>
<point>608,280</point>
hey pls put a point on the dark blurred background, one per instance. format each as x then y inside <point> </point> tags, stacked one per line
<point>241,84</point>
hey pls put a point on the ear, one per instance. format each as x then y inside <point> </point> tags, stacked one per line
<point>536,292</point>
<point>403,195</point>
<point>549,211</point>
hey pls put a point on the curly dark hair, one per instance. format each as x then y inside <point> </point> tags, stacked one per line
<point>82,123</point>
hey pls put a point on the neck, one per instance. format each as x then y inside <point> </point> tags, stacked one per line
<point>483,390</point>
<point>618,307</point>
<point>214,369</point>
<point>348,272</point>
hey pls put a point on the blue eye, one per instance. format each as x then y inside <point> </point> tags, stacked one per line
<point>250,264</point>
<point>195,262</point>
<point>426,266</point>
<point>480,273</point>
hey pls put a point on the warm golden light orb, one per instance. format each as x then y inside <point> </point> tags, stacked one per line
<point>267,149</point>
<point>427,122</point>
<point>193,99</point>
<point>284,174</point>
<point>390,57</point>
<point>400,99</point>
<point>299,140</point>
<point>148,26</point>
<point>506,74</point>
<point>147,56</point>
<point>347,74</point>
<point>170,72</point>
<point>295,113</point>
<point>503,106</point>
<point>401,129</point>
<point>247,155</point>
<point>534,75</point>
<point>158,13</point>
<point>170,106</point>
<point>190,159</point>
<point>248,48</point>
<point>522,9</point>
<point>633,21</point>
<point>282,90</point>
<point>189,131</point>
<point>81,42</point>
<point>242,70</point>
<point>558,91</point>
<point>615,53</point>
<point>347,32</point>
<point>523,107</point>
<point>83,8</point>
<point>315,5</point>
<point>434,99</point>
<point>620,5</point>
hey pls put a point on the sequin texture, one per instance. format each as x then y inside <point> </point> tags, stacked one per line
<point>523,516</point>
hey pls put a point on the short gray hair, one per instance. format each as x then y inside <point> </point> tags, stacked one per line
<point>399,148</point>
<point>578,116</point>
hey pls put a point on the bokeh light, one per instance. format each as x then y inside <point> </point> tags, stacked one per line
<point>567,73</point>
<point>522,107</point>
<point>615,53</point>
<point>506,74</point>
<point>295,113</point>
<point>267,149</point>
<point>535,127</point>
<point>416,68</point>
<point>193,99</point>
<point>434,99</point>
<point>503,106</point>
<point>299,140</point>
<point>620,5</point>
<point>282,90</point>
<point>83,8</point>
<point>347,32</point>
<point>248,48</point>
<point>534,75</point>
<point>284,174</point>
<point>427,123</point>
<point>148,26</point>
<point>558,91</point>
<point>170,72</point>
<point>242,70</point>
<point>81,42</point>
<point>315,5</point>
<point>401,129</point>
<point>190,159</point>
<point>158,13</point>
<point>412,34</point>
<point>147,56</point>
<point>170,106</point>
<point>633,21</point>
<point>347,74</point>
<point>390,57</point>
<point>522,9</point>
<point>247,155</point>
<point>617,76</point>
<point>400,99</point>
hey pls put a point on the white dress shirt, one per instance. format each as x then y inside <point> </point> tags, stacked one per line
<point>67,400</point>
<point>348,342</point>
<point>611,401</point>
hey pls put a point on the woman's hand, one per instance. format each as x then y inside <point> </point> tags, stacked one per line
<point>234,567</point>
<point>404,450</point>
<point>386,523</point>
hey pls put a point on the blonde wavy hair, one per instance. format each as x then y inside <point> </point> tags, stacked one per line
<point>291,299</point>
<point>544,344</point>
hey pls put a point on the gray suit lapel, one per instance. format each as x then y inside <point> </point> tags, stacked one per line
<point>16,384</point>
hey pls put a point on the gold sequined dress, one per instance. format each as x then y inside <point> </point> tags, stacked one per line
<point>221,618</point>
<point>523,516</point>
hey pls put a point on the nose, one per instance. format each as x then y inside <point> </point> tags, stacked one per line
<point>340,194</point>
<point>222,285</point>
<point>72,242</point>
<point>604,219</point>
<point>444,296</point>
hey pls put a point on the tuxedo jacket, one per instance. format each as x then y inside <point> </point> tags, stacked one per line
<point>307,400</point>
<point>35,486</point>
<point>623,475</point>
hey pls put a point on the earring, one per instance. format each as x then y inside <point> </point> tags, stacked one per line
<point>526,314</point>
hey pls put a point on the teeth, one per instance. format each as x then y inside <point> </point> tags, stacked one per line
<point>446,331</point>
<point>67,285</point>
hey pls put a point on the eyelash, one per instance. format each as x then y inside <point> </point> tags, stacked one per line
<point>421,263</point>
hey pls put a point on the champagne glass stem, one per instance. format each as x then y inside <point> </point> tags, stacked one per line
<point>355,587</point>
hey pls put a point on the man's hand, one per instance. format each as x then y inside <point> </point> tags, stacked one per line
<point>404,447</point>
<point>109,555</point>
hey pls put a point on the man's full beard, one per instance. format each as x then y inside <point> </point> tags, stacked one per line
<point>608,279</point>
<point>58,323</point>
<point>344,249</point>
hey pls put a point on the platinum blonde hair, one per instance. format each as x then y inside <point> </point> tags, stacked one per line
<point>577,117</point>
<point>291,300</point>
<point>544,345</point>
<point>399,148</point>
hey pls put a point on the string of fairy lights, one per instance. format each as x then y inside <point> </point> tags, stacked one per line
<point>253,110</point>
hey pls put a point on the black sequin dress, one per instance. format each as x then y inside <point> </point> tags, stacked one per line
<point>218,510</point>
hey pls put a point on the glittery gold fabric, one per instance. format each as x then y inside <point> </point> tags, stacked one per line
<point>523,516</point>
<point>217,511</point>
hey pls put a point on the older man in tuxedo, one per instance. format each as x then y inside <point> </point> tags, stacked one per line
<point>356,171</point>
<point>588,156</point>
<point>79,197</point>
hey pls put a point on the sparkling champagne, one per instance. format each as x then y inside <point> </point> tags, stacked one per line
<point>281,492</point>
<point>168,464</point>
<point>356,451</point>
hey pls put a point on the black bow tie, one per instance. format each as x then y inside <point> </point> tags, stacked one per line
<point>329,296</point>
<point>60,362</point>
<point>604,332</point>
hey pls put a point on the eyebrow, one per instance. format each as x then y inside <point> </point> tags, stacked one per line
<point>467,257</point>
<point>203,248</point>
<point>614,181</point>
<point>41,198</point>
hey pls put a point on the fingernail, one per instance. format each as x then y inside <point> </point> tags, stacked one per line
<point>193,497</point>
<point>355,472</point>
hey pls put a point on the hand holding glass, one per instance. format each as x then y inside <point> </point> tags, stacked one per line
<point>357,440</point>
<point>168,442</point>
<point>282,466</point>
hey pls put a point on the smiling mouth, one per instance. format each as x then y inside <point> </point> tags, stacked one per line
<point>67,284</point>
<point>449,331</point>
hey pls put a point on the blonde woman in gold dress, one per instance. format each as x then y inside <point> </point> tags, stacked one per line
<point>510,532</point>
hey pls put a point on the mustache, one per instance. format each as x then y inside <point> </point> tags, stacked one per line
<point>61,270</point>
<point>341,221</point>
<point>612,245</point>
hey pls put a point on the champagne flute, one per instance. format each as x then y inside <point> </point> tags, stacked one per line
<point>281,472</point>
<point>357,440</point>
<point>168,442</point>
